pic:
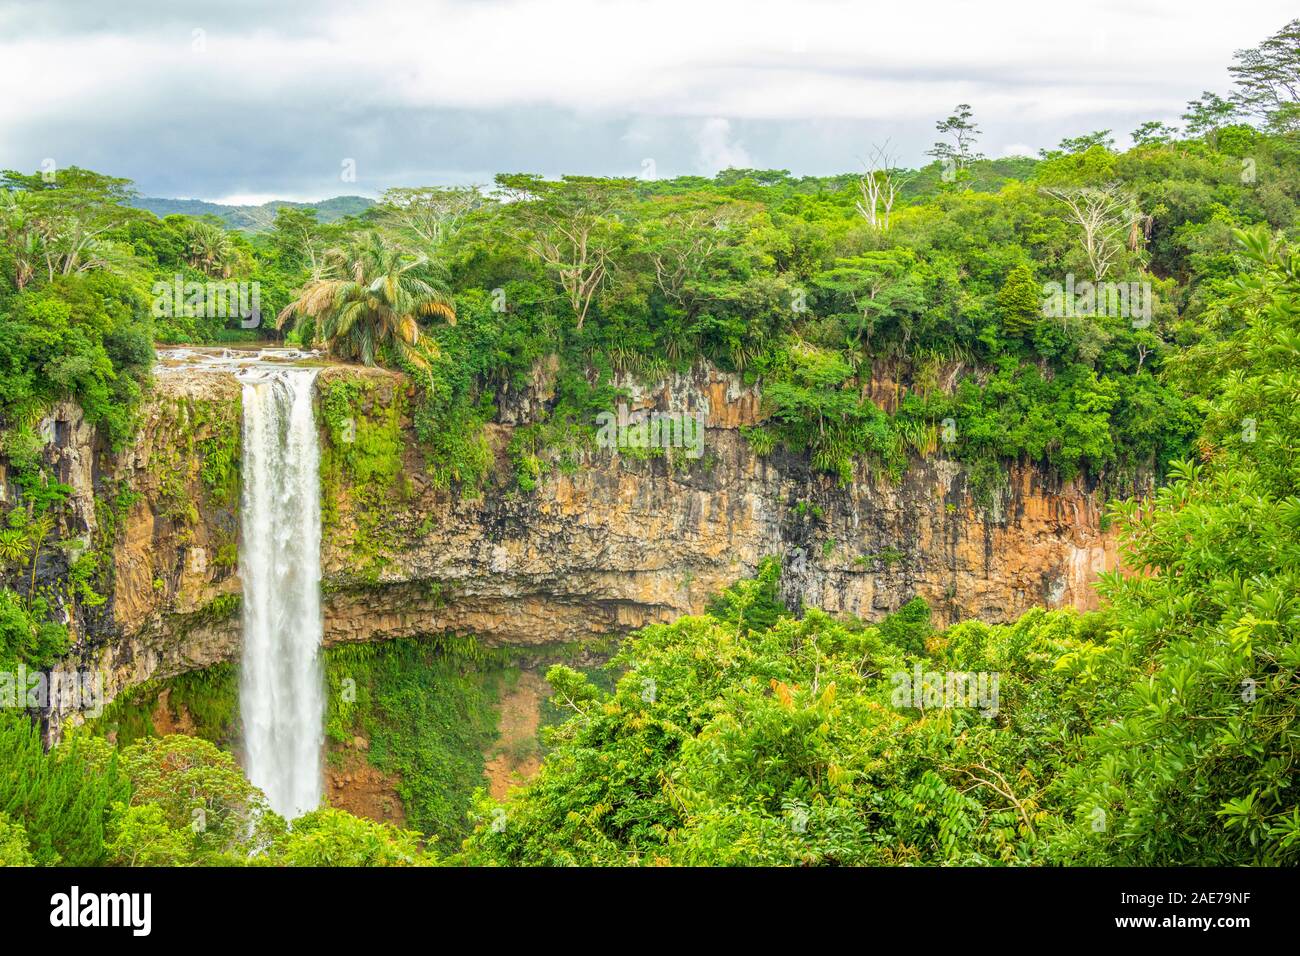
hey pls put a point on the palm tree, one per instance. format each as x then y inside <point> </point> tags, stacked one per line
<point>208,248</point>
<point>20,234</point>
<point>367,301</point>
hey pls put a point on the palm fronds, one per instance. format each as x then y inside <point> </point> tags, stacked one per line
<point>368,300</point>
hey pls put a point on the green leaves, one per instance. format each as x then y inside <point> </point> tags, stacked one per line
<point>60,799</point>
<point>778,744</point>
<point>1200,763</point>
<point>367,304</point>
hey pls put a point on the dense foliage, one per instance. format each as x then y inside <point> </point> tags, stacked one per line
<point>426,709</point>
<point>1161,730</point>
<point>1123,317</point>
<point>169,801</point>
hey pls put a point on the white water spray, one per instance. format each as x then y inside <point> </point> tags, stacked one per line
<point>281,684</point>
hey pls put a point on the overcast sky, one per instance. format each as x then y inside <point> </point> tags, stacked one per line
<point>240,101</point>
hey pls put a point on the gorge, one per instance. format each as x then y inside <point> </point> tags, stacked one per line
<point>590,555</point>
<point>733,516</point>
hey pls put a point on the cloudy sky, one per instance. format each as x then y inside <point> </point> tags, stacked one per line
<point>242,101</point>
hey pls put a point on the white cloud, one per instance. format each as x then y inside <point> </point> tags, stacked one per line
<point>674,57</point>
<point>280,90</point>
<point>716,148</point>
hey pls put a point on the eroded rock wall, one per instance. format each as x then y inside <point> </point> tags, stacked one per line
<point>623,541</point>
<point>615,543</point>
<point>163,514</point>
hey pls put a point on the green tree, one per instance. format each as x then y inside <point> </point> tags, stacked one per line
<point>67,217</point>
<point>143,836</point>
<point>1207,114</point>
<point>962,134</point>
<point>368,303</point>
<point>1020,302</point>
<point>61,798</point>
<point>428,216</point>
<point>1268,80</point>
<point>13,844</point>
<point>297,237</point>
<point>209,249</point>
<point>1081,144</point>
<point>200,793</point>
<point>26,633</point>
<point>1196,763</point>
<point>329,837</point>
<point>570,227</point>
<point>1153,132</point>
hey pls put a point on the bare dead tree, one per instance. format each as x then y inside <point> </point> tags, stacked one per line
<point>1105,215</point>
<point>880,187</point>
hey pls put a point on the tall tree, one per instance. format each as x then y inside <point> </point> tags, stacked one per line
<point>369,299</point>
<point>1207,114</point>
<point>962,134</point>
<point>1081,144</point>
<point>296,235</point>
<point>65,218</point>
<point>428,215</point>
<point>1020,301</point>
<point>684,245</point>
<point>1153,132</point>
<point>570,226</point>
<point>1268,80</point>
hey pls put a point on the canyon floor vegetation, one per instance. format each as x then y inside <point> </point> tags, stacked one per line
<point>885,316</point>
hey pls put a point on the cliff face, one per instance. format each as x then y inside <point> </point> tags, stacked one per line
<point>616,543</point>
<point>163,515</point>
<point>623,541</point>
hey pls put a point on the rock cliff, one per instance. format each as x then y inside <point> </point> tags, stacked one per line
<point>616,543</point>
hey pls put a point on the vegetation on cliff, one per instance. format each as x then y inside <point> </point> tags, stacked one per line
<point>876,334</point>
<point>1160,730</point>
<point>169,801</point>
<point>425,709</point>
<point>361,464</point>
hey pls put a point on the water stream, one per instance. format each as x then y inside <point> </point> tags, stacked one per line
<point>281,683</point>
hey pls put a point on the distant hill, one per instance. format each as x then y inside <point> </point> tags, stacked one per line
<point>252,218</point>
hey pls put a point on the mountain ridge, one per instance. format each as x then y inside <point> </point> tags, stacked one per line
<point>252,218</point>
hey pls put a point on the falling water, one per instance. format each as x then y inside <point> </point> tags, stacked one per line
<point>281,686</point>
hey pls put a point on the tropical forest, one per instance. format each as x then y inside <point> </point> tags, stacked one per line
<point>944,511</point>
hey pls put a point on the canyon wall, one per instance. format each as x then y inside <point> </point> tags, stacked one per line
<point>615,542</point>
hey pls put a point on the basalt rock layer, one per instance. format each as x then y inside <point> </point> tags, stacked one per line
<point>597,550</point>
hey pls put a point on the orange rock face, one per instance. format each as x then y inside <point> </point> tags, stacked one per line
<point>624,541</point>
<point>618,542</point>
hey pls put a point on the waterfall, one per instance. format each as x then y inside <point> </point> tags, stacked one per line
<point>281,692</point>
